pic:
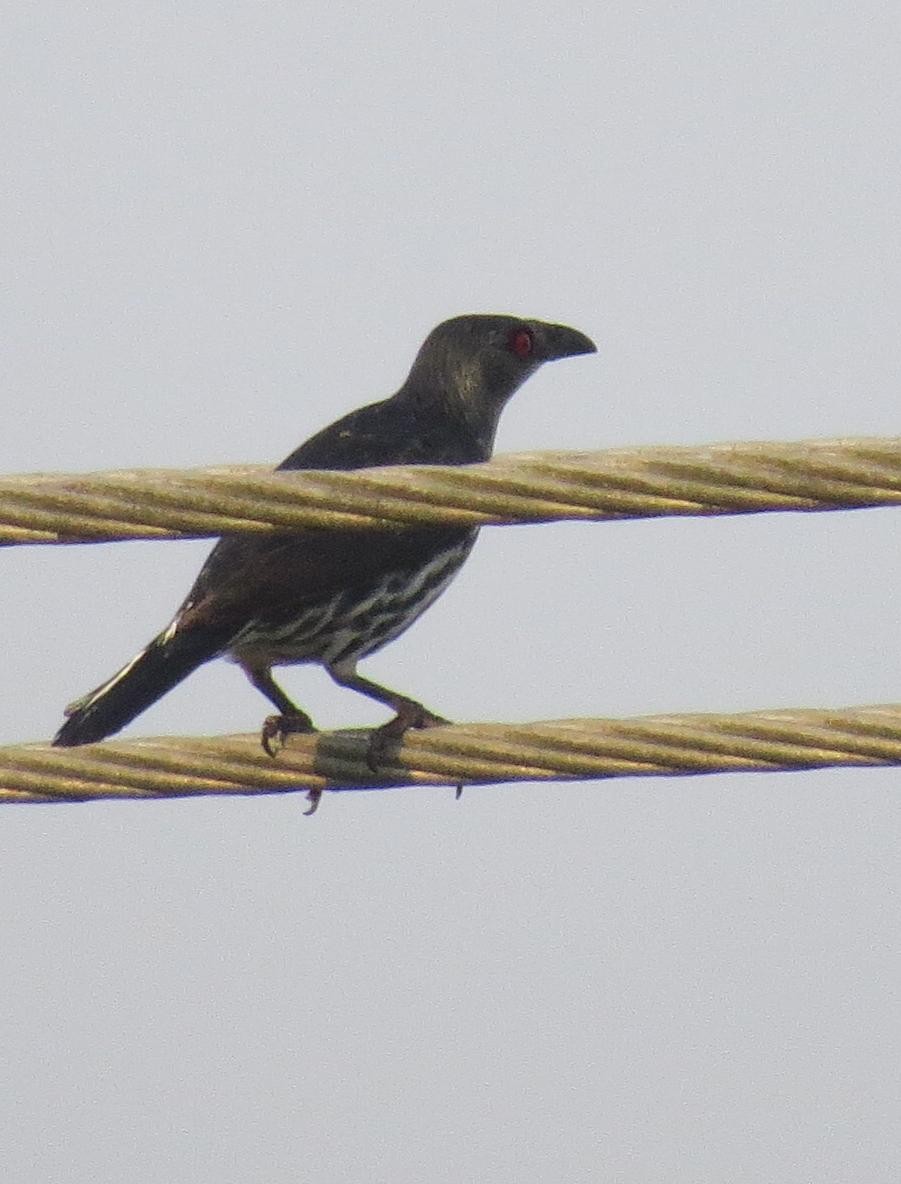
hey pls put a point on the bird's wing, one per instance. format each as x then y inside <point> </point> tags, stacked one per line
<point>271,579</point>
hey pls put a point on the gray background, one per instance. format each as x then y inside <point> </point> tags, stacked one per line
<point>223,226</point>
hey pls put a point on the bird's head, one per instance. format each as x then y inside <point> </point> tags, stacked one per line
<point>476,362</point>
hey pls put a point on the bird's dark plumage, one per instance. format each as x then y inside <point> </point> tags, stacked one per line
<point>331,596</point>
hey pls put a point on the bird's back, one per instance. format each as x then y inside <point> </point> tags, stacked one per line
<point>406,429</point>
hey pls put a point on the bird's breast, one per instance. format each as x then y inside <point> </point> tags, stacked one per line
<point>350,623</point>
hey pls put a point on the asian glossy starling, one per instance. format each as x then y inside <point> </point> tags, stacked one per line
<point>335,596</point>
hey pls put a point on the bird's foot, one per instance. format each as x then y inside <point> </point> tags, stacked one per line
<point>409,715</point>
<point>276,729</point>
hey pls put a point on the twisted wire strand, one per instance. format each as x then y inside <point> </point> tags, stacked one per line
<point>738,478</point>
<point>560,750</point>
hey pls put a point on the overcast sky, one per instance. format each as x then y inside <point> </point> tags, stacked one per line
<point>225,225</point>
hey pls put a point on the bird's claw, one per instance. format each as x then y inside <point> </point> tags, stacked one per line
<point>409,716</point>
<point>314,796</point>
<point>276,729</point>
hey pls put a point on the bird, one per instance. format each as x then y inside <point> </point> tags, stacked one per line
<point>327,596</point>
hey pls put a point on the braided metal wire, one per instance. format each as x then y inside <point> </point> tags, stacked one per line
<point>661,745</point>
<point>739,478</point>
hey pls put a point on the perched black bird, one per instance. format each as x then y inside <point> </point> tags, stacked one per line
<point>332,596</point>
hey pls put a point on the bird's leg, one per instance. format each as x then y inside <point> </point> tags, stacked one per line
<point>410,714</point>
<point>289,719</point>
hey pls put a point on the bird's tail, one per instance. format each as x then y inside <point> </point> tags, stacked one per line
<point>148,676</point>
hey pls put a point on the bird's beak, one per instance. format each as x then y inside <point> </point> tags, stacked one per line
<point>562,342</point>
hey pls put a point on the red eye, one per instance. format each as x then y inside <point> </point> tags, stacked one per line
<point>522,342</point>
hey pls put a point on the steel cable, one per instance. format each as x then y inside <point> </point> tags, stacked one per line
<point>741,478</point>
